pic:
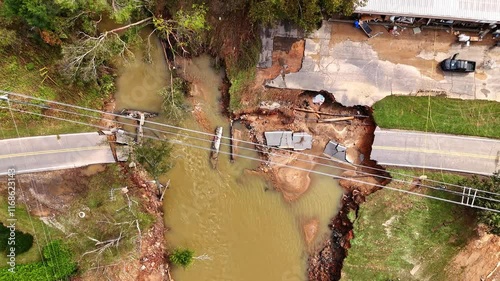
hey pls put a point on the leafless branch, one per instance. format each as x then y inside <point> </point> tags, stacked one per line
<point>164,189</point>
<point>103,245</point>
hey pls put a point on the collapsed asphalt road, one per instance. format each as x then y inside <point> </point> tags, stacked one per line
<point>49,153</point>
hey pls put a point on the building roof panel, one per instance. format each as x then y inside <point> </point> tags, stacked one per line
<point>467,10</point>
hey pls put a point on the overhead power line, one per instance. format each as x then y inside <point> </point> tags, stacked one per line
<point>211,135</point>
<point>203,133</point>
<point>422,185</point>
<point>271,162</point>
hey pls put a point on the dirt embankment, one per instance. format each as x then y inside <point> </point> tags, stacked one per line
<point>326,264</point>
<point>153,263</point>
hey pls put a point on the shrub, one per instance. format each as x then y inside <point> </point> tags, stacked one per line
<point>491,184</point>
<point>154,156</point>
<point>30,66</point>
<point>182,257</point>
<point>57,265</point>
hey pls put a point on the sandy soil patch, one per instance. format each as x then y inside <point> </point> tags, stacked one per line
<point>290,181</point>
<point>310,229</point>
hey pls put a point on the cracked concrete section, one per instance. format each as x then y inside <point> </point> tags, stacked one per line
<point>355,74</point>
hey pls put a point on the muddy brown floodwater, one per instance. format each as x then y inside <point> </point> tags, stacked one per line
<point>230,216</point>
<point>233,218</point>
<point>139,81</point>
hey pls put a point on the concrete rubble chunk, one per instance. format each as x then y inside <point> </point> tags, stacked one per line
<point>288,139</point>
<point>302,141</point>
<point>122,152</point>
<point>281,139</point>
<point>336,151</point>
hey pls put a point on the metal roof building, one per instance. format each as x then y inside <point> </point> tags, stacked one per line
<point>487,11</point>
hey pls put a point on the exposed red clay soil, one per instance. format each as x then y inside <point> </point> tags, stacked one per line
<point>357,135</point>
<point>287,58</point>
<point>479,260</point>
<point>153,263</point>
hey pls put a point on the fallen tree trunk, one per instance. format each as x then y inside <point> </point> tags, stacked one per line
<point>335,119</point>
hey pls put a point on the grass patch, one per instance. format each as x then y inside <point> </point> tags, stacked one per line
<point>57,265</point>
<point>107,216</point>
<point>439,115</point>
<point>239,83</point>
<point>30,68</point>
<point>394,233</point>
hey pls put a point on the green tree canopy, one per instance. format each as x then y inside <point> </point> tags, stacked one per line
<point>61,16</point>
<point>305,13</point>
<point>345,7</point>
<point>37,13</point>
<point>186,29</point>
